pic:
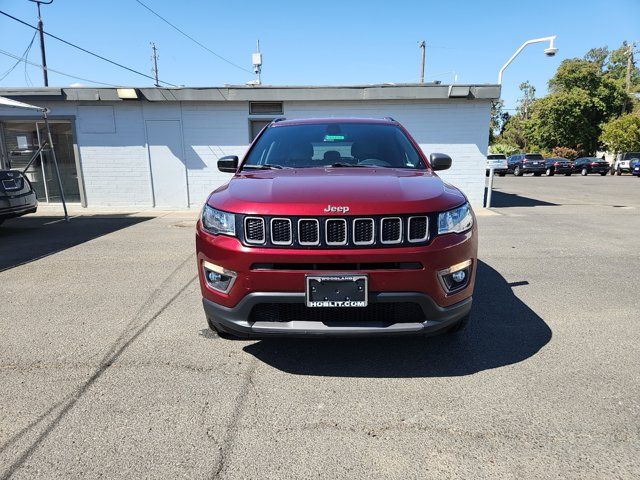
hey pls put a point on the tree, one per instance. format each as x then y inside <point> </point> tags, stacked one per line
<point>597,56</point>
<point>622,134</point>
<point>497,121</point>
<point>565,152</point>
<point>616,67</point>
<point>581,99</point>
<point>526,101</point>
<point>503,148</point>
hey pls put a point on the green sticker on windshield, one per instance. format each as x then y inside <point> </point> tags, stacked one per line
<point>333,138</point>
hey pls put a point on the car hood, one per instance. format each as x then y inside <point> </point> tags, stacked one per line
<point>312,191</point>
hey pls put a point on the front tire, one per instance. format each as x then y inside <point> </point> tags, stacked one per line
<point>517,172</point>
<point>618,172</point>
<point>550,172</point>
<point>584,172</point>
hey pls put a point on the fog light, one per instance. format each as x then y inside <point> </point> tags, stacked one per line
<point>455,277</point>
<point>459,276</point>
<point>218,278</point>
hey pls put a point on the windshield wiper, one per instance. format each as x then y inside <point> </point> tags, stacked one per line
<point>265,166</point>
<point>345,164</point>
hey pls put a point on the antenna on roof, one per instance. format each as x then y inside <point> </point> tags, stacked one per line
<point>257,63</point>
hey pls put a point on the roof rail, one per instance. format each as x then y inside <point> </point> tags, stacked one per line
<point>391,119</point>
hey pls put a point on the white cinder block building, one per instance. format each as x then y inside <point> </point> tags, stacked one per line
<point>154,147</point>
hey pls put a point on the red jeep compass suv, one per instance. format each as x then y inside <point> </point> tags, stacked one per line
<point>336,226</point>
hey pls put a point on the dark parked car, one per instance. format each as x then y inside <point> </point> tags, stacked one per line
<point>636,170</point>
<point>558,165</point>
<point>526,163</point>
<point>16,195</point>
<point>587,165</point>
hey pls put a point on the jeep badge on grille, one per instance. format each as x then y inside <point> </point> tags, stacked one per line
<point>332,209</point>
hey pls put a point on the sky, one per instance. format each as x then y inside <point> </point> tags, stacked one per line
<point>324,42</point>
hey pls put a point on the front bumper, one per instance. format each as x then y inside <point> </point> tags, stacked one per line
<point>237,320</point>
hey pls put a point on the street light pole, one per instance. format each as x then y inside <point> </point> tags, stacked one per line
<point>550,52</point>
<point>41,32</point>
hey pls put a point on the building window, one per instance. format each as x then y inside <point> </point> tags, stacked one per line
<point>255,126</point>
<point>265,108</point>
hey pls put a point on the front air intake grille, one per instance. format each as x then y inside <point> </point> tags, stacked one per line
<point>337,232</point>
<point>385,313</point>
<point>363,231</point>
<point>308,231</point>
<point>418,229</point>
<point>254,230</point>
<point>281,231</point>
<point>391,230</point>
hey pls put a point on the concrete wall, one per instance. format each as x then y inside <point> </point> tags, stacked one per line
<point>114,156</point>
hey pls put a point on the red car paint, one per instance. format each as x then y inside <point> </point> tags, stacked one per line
<point>306,192</point>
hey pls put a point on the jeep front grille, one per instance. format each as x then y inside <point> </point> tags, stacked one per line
<point>337,232</point>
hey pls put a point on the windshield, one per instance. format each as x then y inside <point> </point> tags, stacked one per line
<point>334,144</point>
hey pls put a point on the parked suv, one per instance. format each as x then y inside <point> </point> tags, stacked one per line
<point>498,162</point>
<point>526,163</point>
<point>587,165</point>
<point>558,165</point>
<point>17,197</point>
<point>336,227</point>
<point>625,162</point>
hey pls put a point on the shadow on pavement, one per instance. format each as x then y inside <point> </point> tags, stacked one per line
<point>502,199</point>
<point>26,239</point>
<point>503,331</point>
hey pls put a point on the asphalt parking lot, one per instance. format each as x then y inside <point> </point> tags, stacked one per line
<point>107,369</point>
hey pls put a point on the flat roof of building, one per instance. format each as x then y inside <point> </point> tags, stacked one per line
<point>264,93</point>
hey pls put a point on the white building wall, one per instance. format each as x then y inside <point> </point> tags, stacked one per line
<point>112,141</point>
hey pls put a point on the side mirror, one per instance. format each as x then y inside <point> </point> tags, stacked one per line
<point>228,164</point>
<point>440,161</point>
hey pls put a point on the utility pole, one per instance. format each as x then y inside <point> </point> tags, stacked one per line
<point>632,46</point>
<point>40,30</point>
<point>155,63</point>
<point>423,47</point>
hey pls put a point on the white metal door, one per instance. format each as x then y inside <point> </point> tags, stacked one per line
<point>168,171</point>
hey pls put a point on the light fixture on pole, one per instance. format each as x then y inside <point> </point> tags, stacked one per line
<point>549,52</point>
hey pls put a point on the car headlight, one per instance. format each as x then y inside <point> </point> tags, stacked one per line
<point>218,222</point>
<point>457,220</point>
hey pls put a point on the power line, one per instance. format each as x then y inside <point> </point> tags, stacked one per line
<point>84,50</point>
<point>191,38</point>
<point>20,59</point>
<point>25,54</point>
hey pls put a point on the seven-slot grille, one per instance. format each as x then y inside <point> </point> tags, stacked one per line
<point>337,232</point>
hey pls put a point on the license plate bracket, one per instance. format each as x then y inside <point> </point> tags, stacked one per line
<point>337,290</point>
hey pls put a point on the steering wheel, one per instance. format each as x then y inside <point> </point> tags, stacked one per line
<point>375,162</point>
